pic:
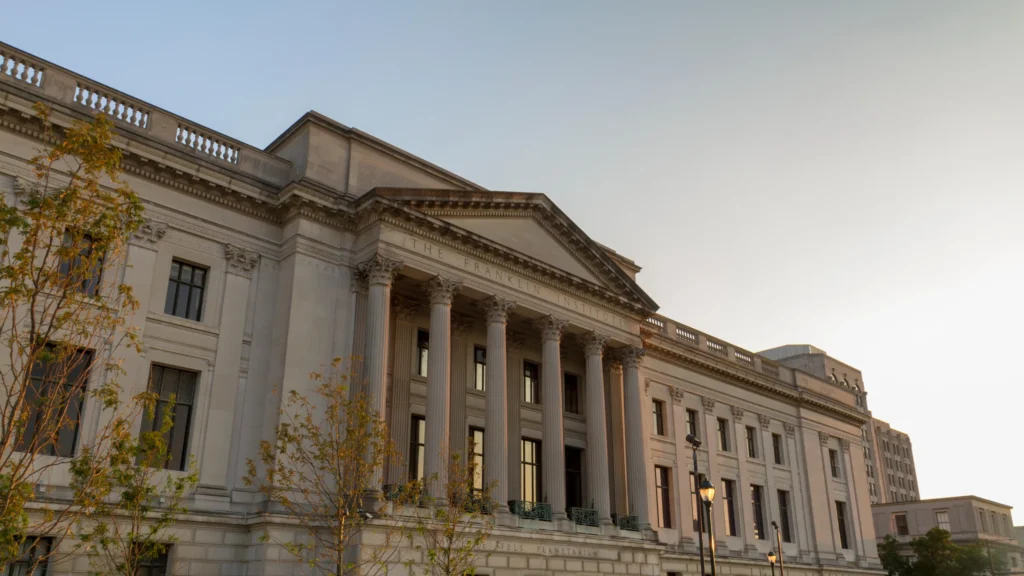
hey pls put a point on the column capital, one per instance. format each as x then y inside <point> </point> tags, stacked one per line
<point>149,233</point>
<point>709,405</point>
<point>360,283</point>
<point>240,260</point>
<point>404,308</point>
<point>823,438</point>
<point>790,430</point>
<point>737,413</point>
<point>614,363</point>
<point>380,269</point>
<point>677,395</point>
<point>442,289</point>
<point>593,343</point>
<point>498,308</point>
<point>765,421</point>
<point>551,327</point>
<point>631,356</point>
<point>844,444</point>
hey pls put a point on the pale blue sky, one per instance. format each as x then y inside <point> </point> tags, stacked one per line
<point>842,174</point>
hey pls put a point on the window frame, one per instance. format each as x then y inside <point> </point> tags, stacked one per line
<point>757,505</point>
<point>575,474</point>
<point>571,402</point>
<point>729,501</point>
<point>663,495</point>
<point>417,448</point>
<point>723,435</point>
<point>693,423</point>
<point>784,515</point>
<point>778,450</point>
<point>174,284</point>
<point>939,523</point>
<point>841,520</point>
<point>695,501</point>
<point>531,383</point>
<point>422,352</point>
<point>153,425</point>
<point>28,558</point>
<point>897,526</point>
<point>658,416</point>
<point>534,468</point>
<point>479,368</point>
<point>89,284</point>
<point>752,443</point>
<point>476,452</point>
<point>833,460</point>
<point>73,382</point>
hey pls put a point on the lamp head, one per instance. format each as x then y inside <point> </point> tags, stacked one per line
<point>771,558</point>
<point>775,524</point>
<point>693,440</point>
<point>707,491</point>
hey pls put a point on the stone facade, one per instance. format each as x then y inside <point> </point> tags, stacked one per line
<point>331,243</point>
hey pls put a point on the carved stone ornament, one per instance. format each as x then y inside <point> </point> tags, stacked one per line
<point>709,405</point>
<point>677,395</point>
<point>647,385</point>
<point>498,308</point>
<point>360,283</point>
<point>790,430</point>
<point>240,260</point>
<point>765,421</point>
<point>737,412</point>
<point>404,308</point>
<point>823,437</point>
<point>632,356</point>
<point>551,327</point>
<point>149,233</point>
<point>593,343</point>
<point>461,325</point>
<point>24,187</point>
<point>514,342</point>
<point>380,269</point>
<point>844,444</point>
<point>442,290</point>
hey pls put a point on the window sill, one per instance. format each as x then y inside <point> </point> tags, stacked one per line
<point>573,416</point>
<point>182,323</point>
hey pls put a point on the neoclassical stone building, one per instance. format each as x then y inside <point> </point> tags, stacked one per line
<point>478,315</point>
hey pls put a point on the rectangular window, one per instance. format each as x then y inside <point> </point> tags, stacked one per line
<point>530,470</point>
<point>156,566</point>
<point>729,500</point>
<point>833,460</point>
<point>695,501</point>
<point>784,516</point>
<point>480,365</point>
<point>723,434</point>
<point>417,447</point>
<point>751,442</point>
<point>900,521</point>
<point>571,393</point>
<point>942,519</point>
<point>841,520</point>
<point>185,289</point>
<point>777,448</point>
<point>757,504</point>
<point>573,477</point>
<point>662,487</point>
<point>31,559</point>
<point>659,417</point>
<point>476,448</point>
<point>81,271</point>
<point>995,525</point>
<point>53,398</point>
<point>176,391</point>
<point>422,352</point>
<point>691,423</point>
<point>531,383</point>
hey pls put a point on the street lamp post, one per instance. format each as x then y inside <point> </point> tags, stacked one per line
<point>707,494</point>
<point>771,560</point>
<point>695,443</point>
<point>778,541</point>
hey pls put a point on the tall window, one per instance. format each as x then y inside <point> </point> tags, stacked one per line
<point>942,519</point>
<point>571,393</point>
<point>422,351</point>
<point>841,520</point>
<point>659,417</point>
<point>53,398</point>
<point>696,501</point>
<point>784,516</point>
<point>900,522</point>
<point>757,503</point>
<point>723,434</point>
<point>662,488</point>
<point>981,517</point>
<point>156,566</point>
<point>729,499</point>
<point>73,269</point>
<point>480,364</point>
<point>179,387</point>
<point>29,555</point>
<point>185,291</point>
<point>995,525</point>
<point>833,460</point>
<point>530,470</point>
<point>777,448</point>
<point>531,383</point>
<point>751,442</point>
<point>417,447</point>
<point>691,423</point>
<point>476,448</point>
<point>573,477</point>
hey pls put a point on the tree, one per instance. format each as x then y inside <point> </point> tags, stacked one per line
<point>63,315</point>
<point>452,533</point>
<point>320,467</point>
<point>934,554</point>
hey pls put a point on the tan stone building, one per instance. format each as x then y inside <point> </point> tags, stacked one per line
<point>968,519</point>
<point>477,312</point>
<point>889,456</point>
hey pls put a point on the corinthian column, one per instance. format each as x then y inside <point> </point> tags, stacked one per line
<point>553,456</point>
<point>380,272</point>
<point>636,467</point>
<point>597,429</point>
<point>495,426</point>
<point>435,469</point>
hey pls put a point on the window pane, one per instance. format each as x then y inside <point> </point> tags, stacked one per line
<point>185,276</point>
<point>181,303</point>
<point>195,304</point>
<point>179,438</point>
<point>186,387</point>
<point>172,291</point>
<point>169,384</point>
<point>199,277</point>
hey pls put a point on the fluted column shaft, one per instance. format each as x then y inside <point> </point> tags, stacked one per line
<point>435,468</point>
<point>636,467</point>
<point>380,272</point>
<point>405,342</point>
<point>553,461</point>
<point>597,429</point>
<point>495,425</point>
<point>360,288</point>
<point>457,404</point>
<point>513,344</point>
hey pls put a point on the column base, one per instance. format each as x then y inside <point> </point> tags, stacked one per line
<point>506,518</point>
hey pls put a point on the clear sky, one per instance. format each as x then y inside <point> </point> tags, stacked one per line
<point>844,174</point>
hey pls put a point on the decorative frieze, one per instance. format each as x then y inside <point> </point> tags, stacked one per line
<point>149,233</point>
<point>240,260</point>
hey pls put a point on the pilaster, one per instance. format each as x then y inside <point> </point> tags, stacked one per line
<point>745,512</point>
